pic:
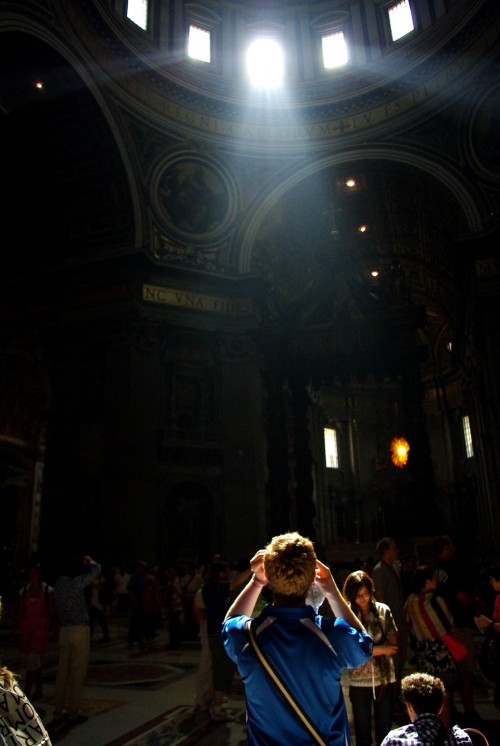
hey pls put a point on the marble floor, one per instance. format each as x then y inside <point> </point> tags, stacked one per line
<point>144,697</point>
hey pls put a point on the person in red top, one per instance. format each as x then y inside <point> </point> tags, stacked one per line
<point>37,615</point>
<point>483,622</point>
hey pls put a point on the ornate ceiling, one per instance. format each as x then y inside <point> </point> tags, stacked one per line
<point>93,158</point>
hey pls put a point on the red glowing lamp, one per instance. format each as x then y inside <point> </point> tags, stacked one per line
<point>399,452</point>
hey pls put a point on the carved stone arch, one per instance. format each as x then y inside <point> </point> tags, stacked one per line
<point>89,155</point>
<point>449,177</point>
<point>480,142</point>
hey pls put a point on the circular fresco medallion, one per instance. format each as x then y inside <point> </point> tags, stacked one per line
<point>192,197</point>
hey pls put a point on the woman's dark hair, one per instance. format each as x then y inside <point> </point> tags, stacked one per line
<point>353,584</point>
<point>420,576</point>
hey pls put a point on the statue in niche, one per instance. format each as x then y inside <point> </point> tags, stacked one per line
<point>194,197</point>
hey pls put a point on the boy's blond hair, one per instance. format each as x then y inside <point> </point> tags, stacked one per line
<point>290,564</point>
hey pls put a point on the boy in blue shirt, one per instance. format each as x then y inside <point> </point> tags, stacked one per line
<point>307,650</point>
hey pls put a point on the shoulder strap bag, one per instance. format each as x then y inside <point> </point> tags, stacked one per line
<point>477,733</point>
<point>458,650</point>
<point>288,696</point>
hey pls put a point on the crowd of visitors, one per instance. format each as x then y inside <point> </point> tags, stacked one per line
<point>399,616</point>
<point>270,649</point>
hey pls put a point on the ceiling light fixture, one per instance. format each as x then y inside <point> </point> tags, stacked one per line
<point>399,452</point>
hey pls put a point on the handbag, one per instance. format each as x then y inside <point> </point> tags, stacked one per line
<point>477,733</point>
<point>288,696</point>
<point>489,655</point>
<point>458,650</point>
<point>19,722</point>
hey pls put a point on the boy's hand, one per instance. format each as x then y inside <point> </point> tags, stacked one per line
<point>257,566</point>
<point>324,578</point>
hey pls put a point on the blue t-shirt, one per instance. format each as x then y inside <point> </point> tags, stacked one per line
<point>309,653</point>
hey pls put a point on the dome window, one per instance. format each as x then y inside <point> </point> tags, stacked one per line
<point>335,52</point>
<point>265,62</point>
<point>400,19</point>
<point>199,44</point>
<point>137,12</point>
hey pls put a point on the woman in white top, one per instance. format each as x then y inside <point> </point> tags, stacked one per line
<point>372,682</point>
